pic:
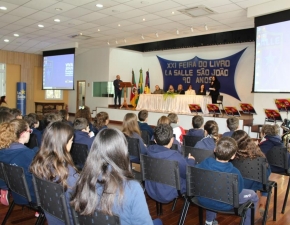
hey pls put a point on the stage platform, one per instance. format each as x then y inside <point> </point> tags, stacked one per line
<point>117,115</point>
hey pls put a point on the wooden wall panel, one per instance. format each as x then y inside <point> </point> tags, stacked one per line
<point>13,75</point>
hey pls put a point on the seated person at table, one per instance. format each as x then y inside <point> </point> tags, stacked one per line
<point>190,91</point>
<point>197,123</point>
<point>82,132</point>
<point>180,89</point>
<point>270,138</point>
<point>247,150</point>
<point>158,90</point>
<point>225,151</point>
<point>201,90</point>
<point>177,130</point>
<point>163,135</point>
<point>211,130</point>
<point>143,125</point>
<point>233,125</point>
<point>171,89</point>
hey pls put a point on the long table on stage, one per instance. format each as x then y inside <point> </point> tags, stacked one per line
<point>176,103</point>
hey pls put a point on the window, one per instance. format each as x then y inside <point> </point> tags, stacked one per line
<point>53,94</point>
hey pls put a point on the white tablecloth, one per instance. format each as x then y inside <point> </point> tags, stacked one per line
<point>177,103</point>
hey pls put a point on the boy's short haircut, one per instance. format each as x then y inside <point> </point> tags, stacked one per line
<point>197,121</point>
<point>233,123</point>
<point>143,115</point>
<point>80,123</point>
<point>173,117</point>
<point>15,112</point>
<point>30,120</point>
<point>226,148</point>
<point>163,134</point>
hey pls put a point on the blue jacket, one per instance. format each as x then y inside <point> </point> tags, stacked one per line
<point>268,143</point>
<point>214,165</point>
<point>161,192</point>
<point>195,132</point>
<point>71,180</point>
<point>83,138</point>
<point>38,135</point>
<point>92,128</point>
<point>145,126</point>
<point>228,134</point>
<point>206,143</point>
<point>102,128</point>
<point>19,155</point>
<point>134,209</point>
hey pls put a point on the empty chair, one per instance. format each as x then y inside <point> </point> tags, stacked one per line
<point>278,156</point>
<point>197,153</point>
<point>51,198</point>
<point>251,169</point>
<point>79,154</point>
<point>163,172</point>
<point>16,182</point>
<point>190,140</point>
<point>220,100</point>
<point>212,184</point>
<point>134,149</point>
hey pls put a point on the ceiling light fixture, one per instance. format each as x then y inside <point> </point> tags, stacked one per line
<point>142,37</point>
<point>3,8</point>
<point>99,30</point>
<point>177,32</point>
<point>57,20</point>
<point>6,40</point>
<point>156,34</point>
<point>205,27</point>
<point>16,35</point>
<point>58,9</point>
<point>40,25</point>
<point>143,19</point>
<point>172,12</point>
<point>116,42</point>
<point>108,43</point>
<point>125,40</point>
<point>119,25</point>
<point>99,5</point>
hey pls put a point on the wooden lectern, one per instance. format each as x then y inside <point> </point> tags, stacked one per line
<point>125,85</point>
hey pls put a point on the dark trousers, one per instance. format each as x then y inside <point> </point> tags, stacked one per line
<point>214,98</point>
<point>117,95</point>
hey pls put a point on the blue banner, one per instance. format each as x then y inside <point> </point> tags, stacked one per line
<point>198,71</point>
<point>21,97</point>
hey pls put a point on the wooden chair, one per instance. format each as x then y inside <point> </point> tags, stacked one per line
<point>201,183</point>
<point>197,153</point>
<point>256,170</point>
<point>161,171</point>
<point>51,198</point>
<point>190,140</point>
<point>278,156</point>
<point>79,154</point>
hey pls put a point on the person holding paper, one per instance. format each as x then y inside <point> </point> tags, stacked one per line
<point>214,89</point>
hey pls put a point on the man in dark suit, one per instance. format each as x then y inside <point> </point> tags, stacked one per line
<point>118,90</point>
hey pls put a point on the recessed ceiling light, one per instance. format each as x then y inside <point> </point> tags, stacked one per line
<point>119,25</point>
<point>191,29</point>
<point>3,8</point>
<point>40,25</point>
<point>56,20</point>
<point>143,19</point>
<point>177,31</point>
<point>142,37</point>
<point>6,40</point>
<point>99,30</point>
<point>58,9</point>
<point>172,12</point>
<point>156,34</point>
<point>125,40</point>
<point>116,42</point>
<point>108,43</point>
<point>99,5</point>
<point>16,35</point>
<point>205,27</point>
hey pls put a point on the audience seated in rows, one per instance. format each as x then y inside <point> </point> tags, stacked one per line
<point>65,116</point>
<point>33,123</point>
<point>143,125</point>
<point>5,117</point>
<point>85,112</point>
<point>177,129</point>
<point>211,130</point>
<point>107,184</point>
<point>197,123</point>
<point>163,135</point>
<point>233,125</point>
<point>82,132</point>
<point>225,151</point>
<point>54,163</point>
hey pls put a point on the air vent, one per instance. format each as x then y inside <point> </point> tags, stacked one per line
<point>80,37</point>
<point>197,11</point>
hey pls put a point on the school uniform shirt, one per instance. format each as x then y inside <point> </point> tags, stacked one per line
<point>102,128</point>
<point>83,138</point>
<point>38,135</point>
<point>195,132</point>
<point>174,142</point>
<point>207,143</point>
<point>161,192</point>
<point>19,155</point>
<point>228,134</point>
<point>134,209</point>
<point>71,180</point>
<point>214,165</point>
<point>267,143</point>
<point>146,127</point>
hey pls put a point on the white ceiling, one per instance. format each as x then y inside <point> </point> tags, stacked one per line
<point>82,16</point>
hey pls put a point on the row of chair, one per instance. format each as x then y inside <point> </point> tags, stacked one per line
<point>50,199</point>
